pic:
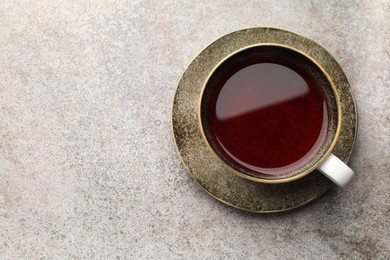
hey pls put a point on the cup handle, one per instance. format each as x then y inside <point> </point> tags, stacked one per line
<point>336,170</point>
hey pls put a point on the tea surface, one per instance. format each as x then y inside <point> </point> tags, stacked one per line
<point>268,116</point>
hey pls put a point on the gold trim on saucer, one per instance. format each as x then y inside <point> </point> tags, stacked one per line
<point>208,171</point>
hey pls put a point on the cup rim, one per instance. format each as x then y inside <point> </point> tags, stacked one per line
<point>318,162</point>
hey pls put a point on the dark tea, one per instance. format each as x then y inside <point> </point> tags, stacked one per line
<point>265,112</point>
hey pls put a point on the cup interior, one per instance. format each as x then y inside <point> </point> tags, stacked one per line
<point>269,54</point>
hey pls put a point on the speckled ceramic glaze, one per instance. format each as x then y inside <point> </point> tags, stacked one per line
<point>211,173</point>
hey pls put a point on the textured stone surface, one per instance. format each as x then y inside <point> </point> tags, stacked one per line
<point>88,168</point>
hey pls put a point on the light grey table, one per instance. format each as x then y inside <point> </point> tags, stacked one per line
<point>88,168</point>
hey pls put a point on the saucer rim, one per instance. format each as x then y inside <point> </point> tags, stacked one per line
<point>353,125</point>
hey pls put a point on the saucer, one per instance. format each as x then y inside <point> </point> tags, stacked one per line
<point>208,171</point>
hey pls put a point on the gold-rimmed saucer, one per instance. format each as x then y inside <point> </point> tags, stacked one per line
<point>209,172</point>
